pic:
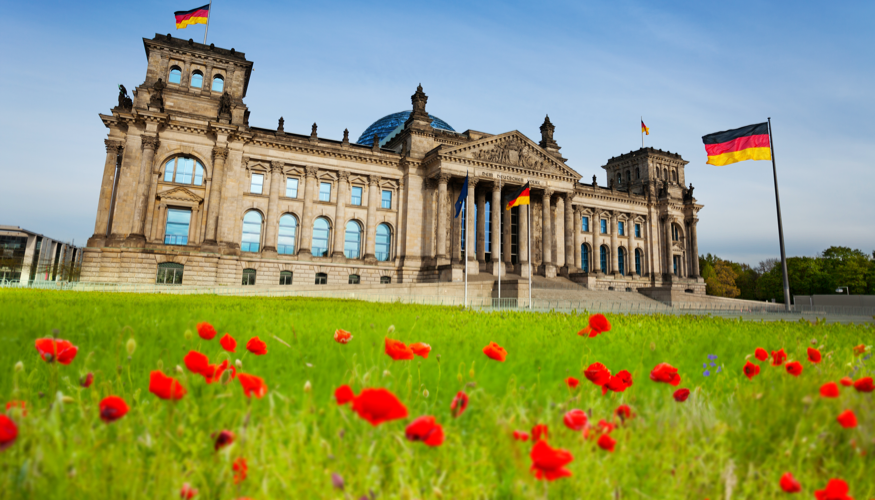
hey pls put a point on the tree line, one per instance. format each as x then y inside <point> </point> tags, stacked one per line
<point>834,268</point>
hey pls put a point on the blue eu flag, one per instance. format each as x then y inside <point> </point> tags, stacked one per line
<point>463,196</point>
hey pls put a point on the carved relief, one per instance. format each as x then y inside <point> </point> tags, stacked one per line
<point>276,167</point>
<point>514,152</point>
<point>374,180</point>
<point>113,146</point>
<point>311,172</point>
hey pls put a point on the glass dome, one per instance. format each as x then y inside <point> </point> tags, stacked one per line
<point>385,125</point>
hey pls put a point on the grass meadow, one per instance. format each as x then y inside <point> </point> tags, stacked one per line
<point>733,437</point>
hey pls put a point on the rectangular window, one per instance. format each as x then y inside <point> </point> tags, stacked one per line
<point>387,199</point>
<point>256,184</point>
<point>621,228</point>
<point>176,231</point>
<point>604,226</point>
<point>637,230</point>
<point>584,224</point>
<point>356,196</point>
<point>325,191</point>
<point>291,187</point>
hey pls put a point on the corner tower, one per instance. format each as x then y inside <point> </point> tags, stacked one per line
<point>646,167</point>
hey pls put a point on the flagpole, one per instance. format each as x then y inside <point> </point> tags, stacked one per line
<point>780,225</point>
<point>209,15</point>
<point>642,131</point>
<point>500,215</point>
<point>467,247</point>
<point>529,210</point>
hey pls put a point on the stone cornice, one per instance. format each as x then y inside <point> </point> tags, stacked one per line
<point>289,144</point>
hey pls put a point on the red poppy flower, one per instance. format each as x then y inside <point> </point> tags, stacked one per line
<point>213,372</point>
<point>228,343</point>
<point>619,382</point>
<point>794,368</point>
<point>459,404</point>
<point>187,492</point>
<point>624,412</point>
<point>398,351</point>
<point>681,395</point>
<point>58,350</point>
<point>539,431</point>
<point>342,336</point>
<point>598,323</point>
<point>420,349</point>
<point>343,395</point>
<point>256,346</point>
<point>605,427</point>
<point>836,489</point>
<point>761,354</point>
<point>426,430</point>
<point>521,436</point>
<point>240,470</point>
<point>572,382</point>
<point>860,349</point>
<point>664,372</point>
<point>252,385</point>
<point>495,352</point>
<point>751,370</point>
<point>87,380</point>
<point>378,406</point>
<point>598,374</point>
<point>18,404</point>
<point>606,442</point>
<point>846,381</point>
<point>864,384</point>
<point>847,419</point>
<point>8,432</point>
<point>778,357</point>
<point>112,408</point>
<point>196,362</point>
<point>829,390</point>
<point>223,438</point>
<point>789,483</point>
<point>165,387</point>
<point>575,420</point>
<point>549,463</point>
<point>206,331</point>
<point>813,356</point>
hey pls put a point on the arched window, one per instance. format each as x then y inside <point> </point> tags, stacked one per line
<point>629,176</point>
<point>383,247</point>
<point>218,83</point>
<point>385,280</point>
<point>248,277</point>
<point>619,178</point>
<point>674,175</point>
<point>286,239</point>
<point>197,79</point>
<point>175,75</point>
<point>169,273</point>
<point>603,259</point>
<point>321,234</point>
<point>637,173</point>
<point>184,170</point>
<point>251,240</point>
<point>321,279</point>
<point>352,242</point>
<point>584,258</point>
<point>285,277</point>
<point>675,233</point>
<point>665,174</point>
<point>621,260</point>
<point>354,279</point>
<point>638,261</point>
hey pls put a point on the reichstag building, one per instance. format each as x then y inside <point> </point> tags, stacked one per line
<point>193,194</point>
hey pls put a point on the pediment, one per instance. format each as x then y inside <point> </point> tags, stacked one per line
<point>513,149</point>
<point>180,194</point>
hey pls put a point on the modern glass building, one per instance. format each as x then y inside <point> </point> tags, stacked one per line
<point>387,124</point>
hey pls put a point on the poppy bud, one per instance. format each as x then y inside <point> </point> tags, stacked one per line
<point>366,377</point>
<point>459,377</point>
<point>67,400</point>
<point>471,372</point>
<point>188,335</point>
<point>179,370</point>
<point>19,367</point>
<point>225,377</point>
<point>438,358</point>
<point>387,373</point>
<point>425,393</point>
<point>131,346</point>
<point>307,386</point>
<point>391,329</point>
<point>238,364</point>
<point>160,365</point>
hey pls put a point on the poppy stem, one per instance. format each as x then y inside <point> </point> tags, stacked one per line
<point>546,490</point>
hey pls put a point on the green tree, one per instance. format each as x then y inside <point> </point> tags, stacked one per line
<point>846,267</point>
<point>722,284</point>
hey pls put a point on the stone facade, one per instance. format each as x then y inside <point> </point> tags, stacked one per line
<point>241,188</point>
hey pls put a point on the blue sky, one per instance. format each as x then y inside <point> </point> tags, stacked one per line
<point>690,68</point>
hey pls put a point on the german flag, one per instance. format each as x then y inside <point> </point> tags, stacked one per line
<point>521,197</point>
<point>745,143</point>
<point>644,128</point>
<point>194,16</point>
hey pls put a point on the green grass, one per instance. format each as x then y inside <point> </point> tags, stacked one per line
<point>732,434</point>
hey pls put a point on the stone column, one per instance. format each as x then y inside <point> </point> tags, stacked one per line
<point>310,184</point>
<point>340,214</point>
<point>271,221</point>
<point>524,240</point>
<point>471,229</point>
<point>456,242</point>
<point>578,239</point>
<point>218,176</point>
<point>666,248</point>
<point>596,227</point>
<point>547,233</point>
<point>570,264</point>
<point>495,207</point>
<point>630,245</point>
<point>481,226</point>
<point>694,243</point>
<point>442,218</point>
<point>150,144</point>
<point>113,152</point>
<point>373,200</point>
<point>615,256</point>
<point>506,239</point>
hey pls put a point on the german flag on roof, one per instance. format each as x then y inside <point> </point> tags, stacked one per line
<point>745,143</point>
<point>521,197</point>
<point>194,16</point>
